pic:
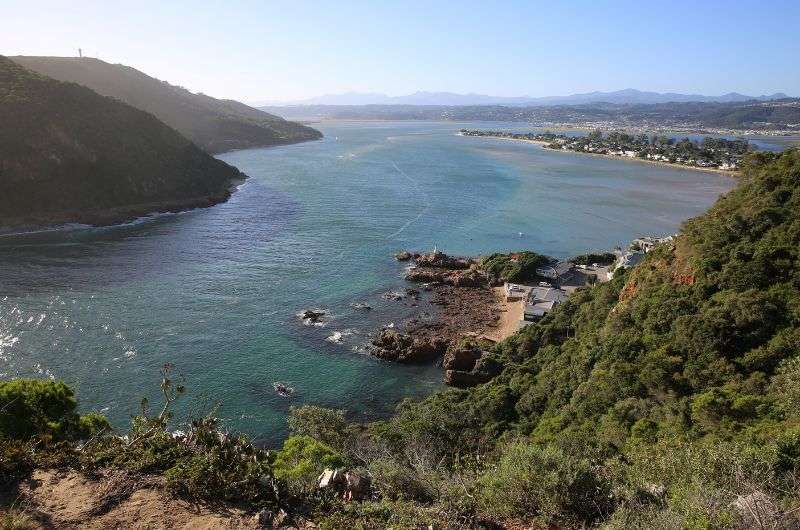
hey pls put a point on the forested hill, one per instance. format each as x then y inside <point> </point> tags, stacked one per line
<point>213,124</point>
<point>658,400</point>
<point>68,154</point>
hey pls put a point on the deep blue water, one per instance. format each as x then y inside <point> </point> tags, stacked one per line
<point>216,291</point>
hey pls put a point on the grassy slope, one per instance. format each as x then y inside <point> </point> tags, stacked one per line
<point>213,124</point>
<point>69,154</point>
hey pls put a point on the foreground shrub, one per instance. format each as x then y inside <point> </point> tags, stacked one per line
<point>301,461</point>
<point>34,407</point>
<point>326,425</point>
<point>534,481</point>
<point>16,460</point>
<point>709,484</point>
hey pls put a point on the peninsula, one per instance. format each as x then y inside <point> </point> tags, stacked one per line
<point>709,154</point>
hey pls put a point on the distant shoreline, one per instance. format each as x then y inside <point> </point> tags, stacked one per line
<point>543,143</point>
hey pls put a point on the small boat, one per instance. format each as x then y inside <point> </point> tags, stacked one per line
<point>283,389</point>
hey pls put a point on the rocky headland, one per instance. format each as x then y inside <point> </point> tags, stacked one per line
<point>466,309</point>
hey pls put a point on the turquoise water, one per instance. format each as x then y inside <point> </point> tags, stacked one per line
<point>216,291</point>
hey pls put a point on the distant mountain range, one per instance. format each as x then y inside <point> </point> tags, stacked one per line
<point>216,125</point>
<point>779,114</point>
<point>627,96</point>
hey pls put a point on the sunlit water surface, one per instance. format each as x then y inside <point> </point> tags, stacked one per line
<point>216,291</point>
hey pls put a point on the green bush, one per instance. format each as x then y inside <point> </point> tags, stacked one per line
<point>326,425</point>
<point>533,481</point>
<point>16,460</point>
<point>519,267</point>
<point>34,407</point>
<point>301,461</point>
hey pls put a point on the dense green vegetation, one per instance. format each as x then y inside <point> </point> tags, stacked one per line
<point>518,267</point>
<point>213,124</point>
<point>668,397</point>
<point>604,258</point>
<point>69,154</point>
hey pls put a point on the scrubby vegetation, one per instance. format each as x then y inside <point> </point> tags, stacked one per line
<point>605,258</point>
<point>68,154</point>
<point>665,398</point>
<point>518,267</point>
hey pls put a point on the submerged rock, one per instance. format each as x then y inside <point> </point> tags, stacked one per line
<point>312,316</point>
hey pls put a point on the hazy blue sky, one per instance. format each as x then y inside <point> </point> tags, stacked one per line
<point>288,50</point>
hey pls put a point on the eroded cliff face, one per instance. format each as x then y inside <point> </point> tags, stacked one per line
<point>68,154</point>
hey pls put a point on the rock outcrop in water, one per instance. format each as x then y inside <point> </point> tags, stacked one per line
<point>465,304</point>
<point>439,268</point>
<point>392,345</point>
<point>68,154</point>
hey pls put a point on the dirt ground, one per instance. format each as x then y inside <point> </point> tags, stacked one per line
<point>510,314</point>
<point>67,499</point>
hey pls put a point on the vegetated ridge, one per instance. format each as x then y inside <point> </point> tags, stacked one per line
<point>68,154</point>
<point>213,124</point>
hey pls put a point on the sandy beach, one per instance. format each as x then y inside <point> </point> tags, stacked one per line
<point>510,314</point>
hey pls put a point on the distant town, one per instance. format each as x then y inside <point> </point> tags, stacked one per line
<point>710,153</point>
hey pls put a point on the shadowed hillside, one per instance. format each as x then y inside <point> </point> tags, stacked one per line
<point>213,124</point>
<point>68,154</point>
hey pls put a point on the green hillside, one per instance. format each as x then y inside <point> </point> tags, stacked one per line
<point>68,154</point>
<point>213,124</point>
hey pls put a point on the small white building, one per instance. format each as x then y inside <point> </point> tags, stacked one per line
<point>515,292</point>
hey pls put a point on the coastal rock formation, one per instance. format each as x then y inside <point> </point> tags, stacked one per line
<point>471,277</point>
<point>68,154</point>
<point>461,358</point>
<point>440,260</point>
<point>392,345</point>
<point>352,484</point>
<point>467,365</point>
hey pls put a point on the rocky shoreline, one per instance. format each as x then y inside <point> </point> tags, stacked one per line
<point>467,308</point>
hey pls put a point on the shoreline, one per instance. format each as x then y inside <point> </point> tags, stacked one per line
<point>470,312</point>
<point>543,143</point>
<point>118,216</point>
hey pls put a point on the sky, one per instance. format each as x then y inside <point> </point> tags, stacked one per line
<point>260,51</point>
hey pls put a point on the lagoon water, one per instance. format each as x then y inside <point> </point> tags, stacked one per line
<point>216,291</point>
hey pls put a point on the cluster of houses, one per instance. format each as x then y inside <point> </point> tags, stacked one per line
<point>711,152</point>
<point>565,277</point>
